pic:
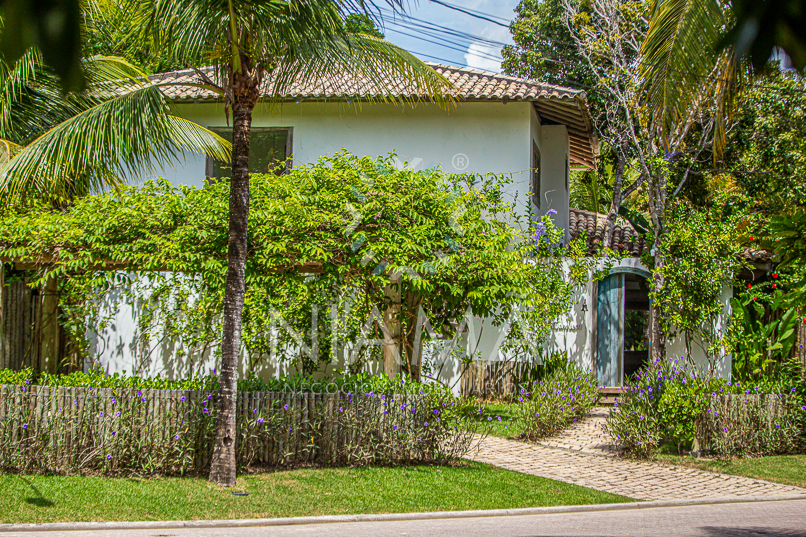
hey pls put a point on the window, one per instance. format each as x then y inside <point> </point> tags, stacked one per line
<point>535,175</point>
<point>268,147</point>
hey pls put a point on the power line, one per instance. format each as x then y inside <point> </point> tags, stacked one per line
<point>448,46</point>
<point>477,15</point>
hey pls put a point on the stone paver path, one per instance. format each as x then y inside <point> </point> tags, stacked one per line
<point>581,455</point>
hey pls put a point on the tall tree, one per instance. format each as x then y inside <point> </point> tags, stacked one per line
<point>259,48</point>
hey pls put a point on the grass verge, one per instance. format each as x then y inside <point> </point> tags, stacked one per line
<point>305,492</point>
<point>784,469</point>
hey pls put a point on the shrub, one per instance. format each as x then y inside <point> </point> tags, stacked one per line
<point>564,396</point>
<point>143,431</point>
<point>672,401</point>
<point>634,424</point>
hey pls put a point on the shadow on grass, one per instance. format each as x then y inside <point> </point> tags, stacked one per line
<point>39,500</point>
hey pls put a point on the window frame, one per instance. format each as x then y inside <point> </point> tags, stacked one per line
<point>289,148</point>
<point>537,171</point>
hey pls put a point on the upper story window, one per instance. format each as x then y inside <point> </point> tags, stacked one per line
<point>535,175</point>
<point>268,148</point>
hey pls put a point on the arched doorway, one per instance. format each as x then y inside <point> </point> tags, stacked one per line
<point>622,325</point>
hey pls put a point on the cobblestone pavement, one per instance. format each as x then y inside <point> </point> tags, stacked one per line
<point>581,456</point>
<point>585,435</point>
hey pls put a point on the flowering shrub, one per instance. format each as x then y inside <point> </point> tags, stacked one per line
<point>635,424</point>
<point>672,401</point>
<point>169,432</point>
<point>553,403</point>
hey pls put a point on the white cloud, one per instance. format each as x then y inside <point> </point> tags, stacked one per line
<point>478,56</point>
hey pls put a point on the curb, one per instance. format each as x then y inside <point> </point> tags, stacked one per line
<point>436,515</point>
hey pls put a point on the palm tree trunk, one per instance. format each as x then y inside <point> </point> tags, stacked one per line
<point>657,203</point>
<point>223,466</point>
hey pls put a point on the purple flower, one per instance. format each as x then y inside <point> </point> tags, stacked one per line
<point>489,418</point>
<point>290,431</point>
<point>139,393</point>
<point>114,433</point>
<point>205,410</point>
<point>260,420</point>
<point>285,407</point>
<point>117,413</point>
<point>182,398</point>
<point>24,425</point>
<point>101,413</point>
<point>394,427</point>
<point>426,424</point>
<point>144,399</point>
<point>109,456</point>
<point>114,400</point>
<point>551,212</point>
<point>341,409</point>
<point>520,399</point>
<point>176,437</point>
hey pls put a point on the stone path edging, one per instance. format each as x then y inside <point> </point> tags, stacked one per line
<point>331,519</point>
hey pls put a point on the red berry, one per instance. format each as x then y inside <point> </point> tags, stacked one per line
<point>749,286</point>
<point>751,238</point>
<point>774,286</point>
<point>774,274</point>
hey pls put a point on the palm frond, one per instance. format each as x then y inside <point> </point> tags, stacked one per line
<point>112,141</point>
<point>8,150</point>
<point>681,65</point>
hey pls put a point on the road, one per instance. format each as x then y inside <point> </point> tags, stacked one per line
<point>771,519</point>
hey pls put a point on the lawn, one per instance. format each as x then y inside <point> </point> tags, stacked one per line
<point>500,417</point>
<point>785,469</point>
<point>284,494</point>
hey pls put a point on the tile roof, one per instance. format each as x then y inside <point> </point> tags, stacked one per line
<point>468,83</point>
<point>625,238</point>
<point>554,104</point>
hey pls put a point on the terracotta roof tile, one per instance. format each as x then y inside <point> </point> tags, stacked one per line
<point>625,238</point>
<point>469,83</point>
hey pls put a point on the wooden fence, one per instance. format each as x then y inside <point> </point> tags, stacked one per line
<point>746,424</point>
<point>79,428</point>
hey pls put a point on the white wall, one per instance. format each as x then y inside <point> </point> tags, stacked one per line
<point>480,137</point>
<point>573,335</point>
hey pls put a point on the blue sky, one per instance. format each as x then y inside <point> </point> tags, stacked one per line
<point>457,48</point>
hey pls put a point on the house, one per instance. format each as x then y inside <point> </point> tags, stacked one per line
<point>498,124</point>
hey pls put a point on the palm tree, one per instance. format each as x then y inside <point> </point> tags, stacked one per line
<point>686,66</point>
<point>257,48</point>
<point>63,145</point>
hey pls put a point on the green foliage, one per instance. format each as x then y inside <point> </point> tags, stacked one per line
<point>547,406</point>
<point>361,23</point>
<point>767,147</point>
<point>125,430</point>
<point>761,338</point>
<point>453,240</point>
<point>705,250</point>
<point>674,402</point>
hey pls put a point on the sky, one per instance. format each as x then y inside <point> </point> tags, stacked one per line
<point>462,40</point>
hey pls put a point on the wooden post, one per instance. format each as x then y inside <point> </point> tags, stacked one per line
<point>392,352</point>
<point>49,327</point>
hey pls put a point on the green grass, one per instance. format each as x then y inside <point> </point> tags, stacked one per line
<point>785,469</point>
<point>505,427</point>
<point>284,494</point>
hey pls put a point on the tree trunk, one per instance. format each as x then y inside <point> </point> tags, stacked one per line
<point>392,355</point>
<point>414,349</point>
<point>223,467</point>
<point>610,223</point>
<point>657,205</point>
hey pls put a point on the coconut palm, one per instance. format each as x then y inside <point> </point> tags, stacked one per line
<point>685,67</point>
<point>256,49</point>
<point>61,145</point>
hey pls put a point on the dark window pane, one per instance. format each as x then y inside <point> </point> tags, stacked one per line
<point>268,148</point>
